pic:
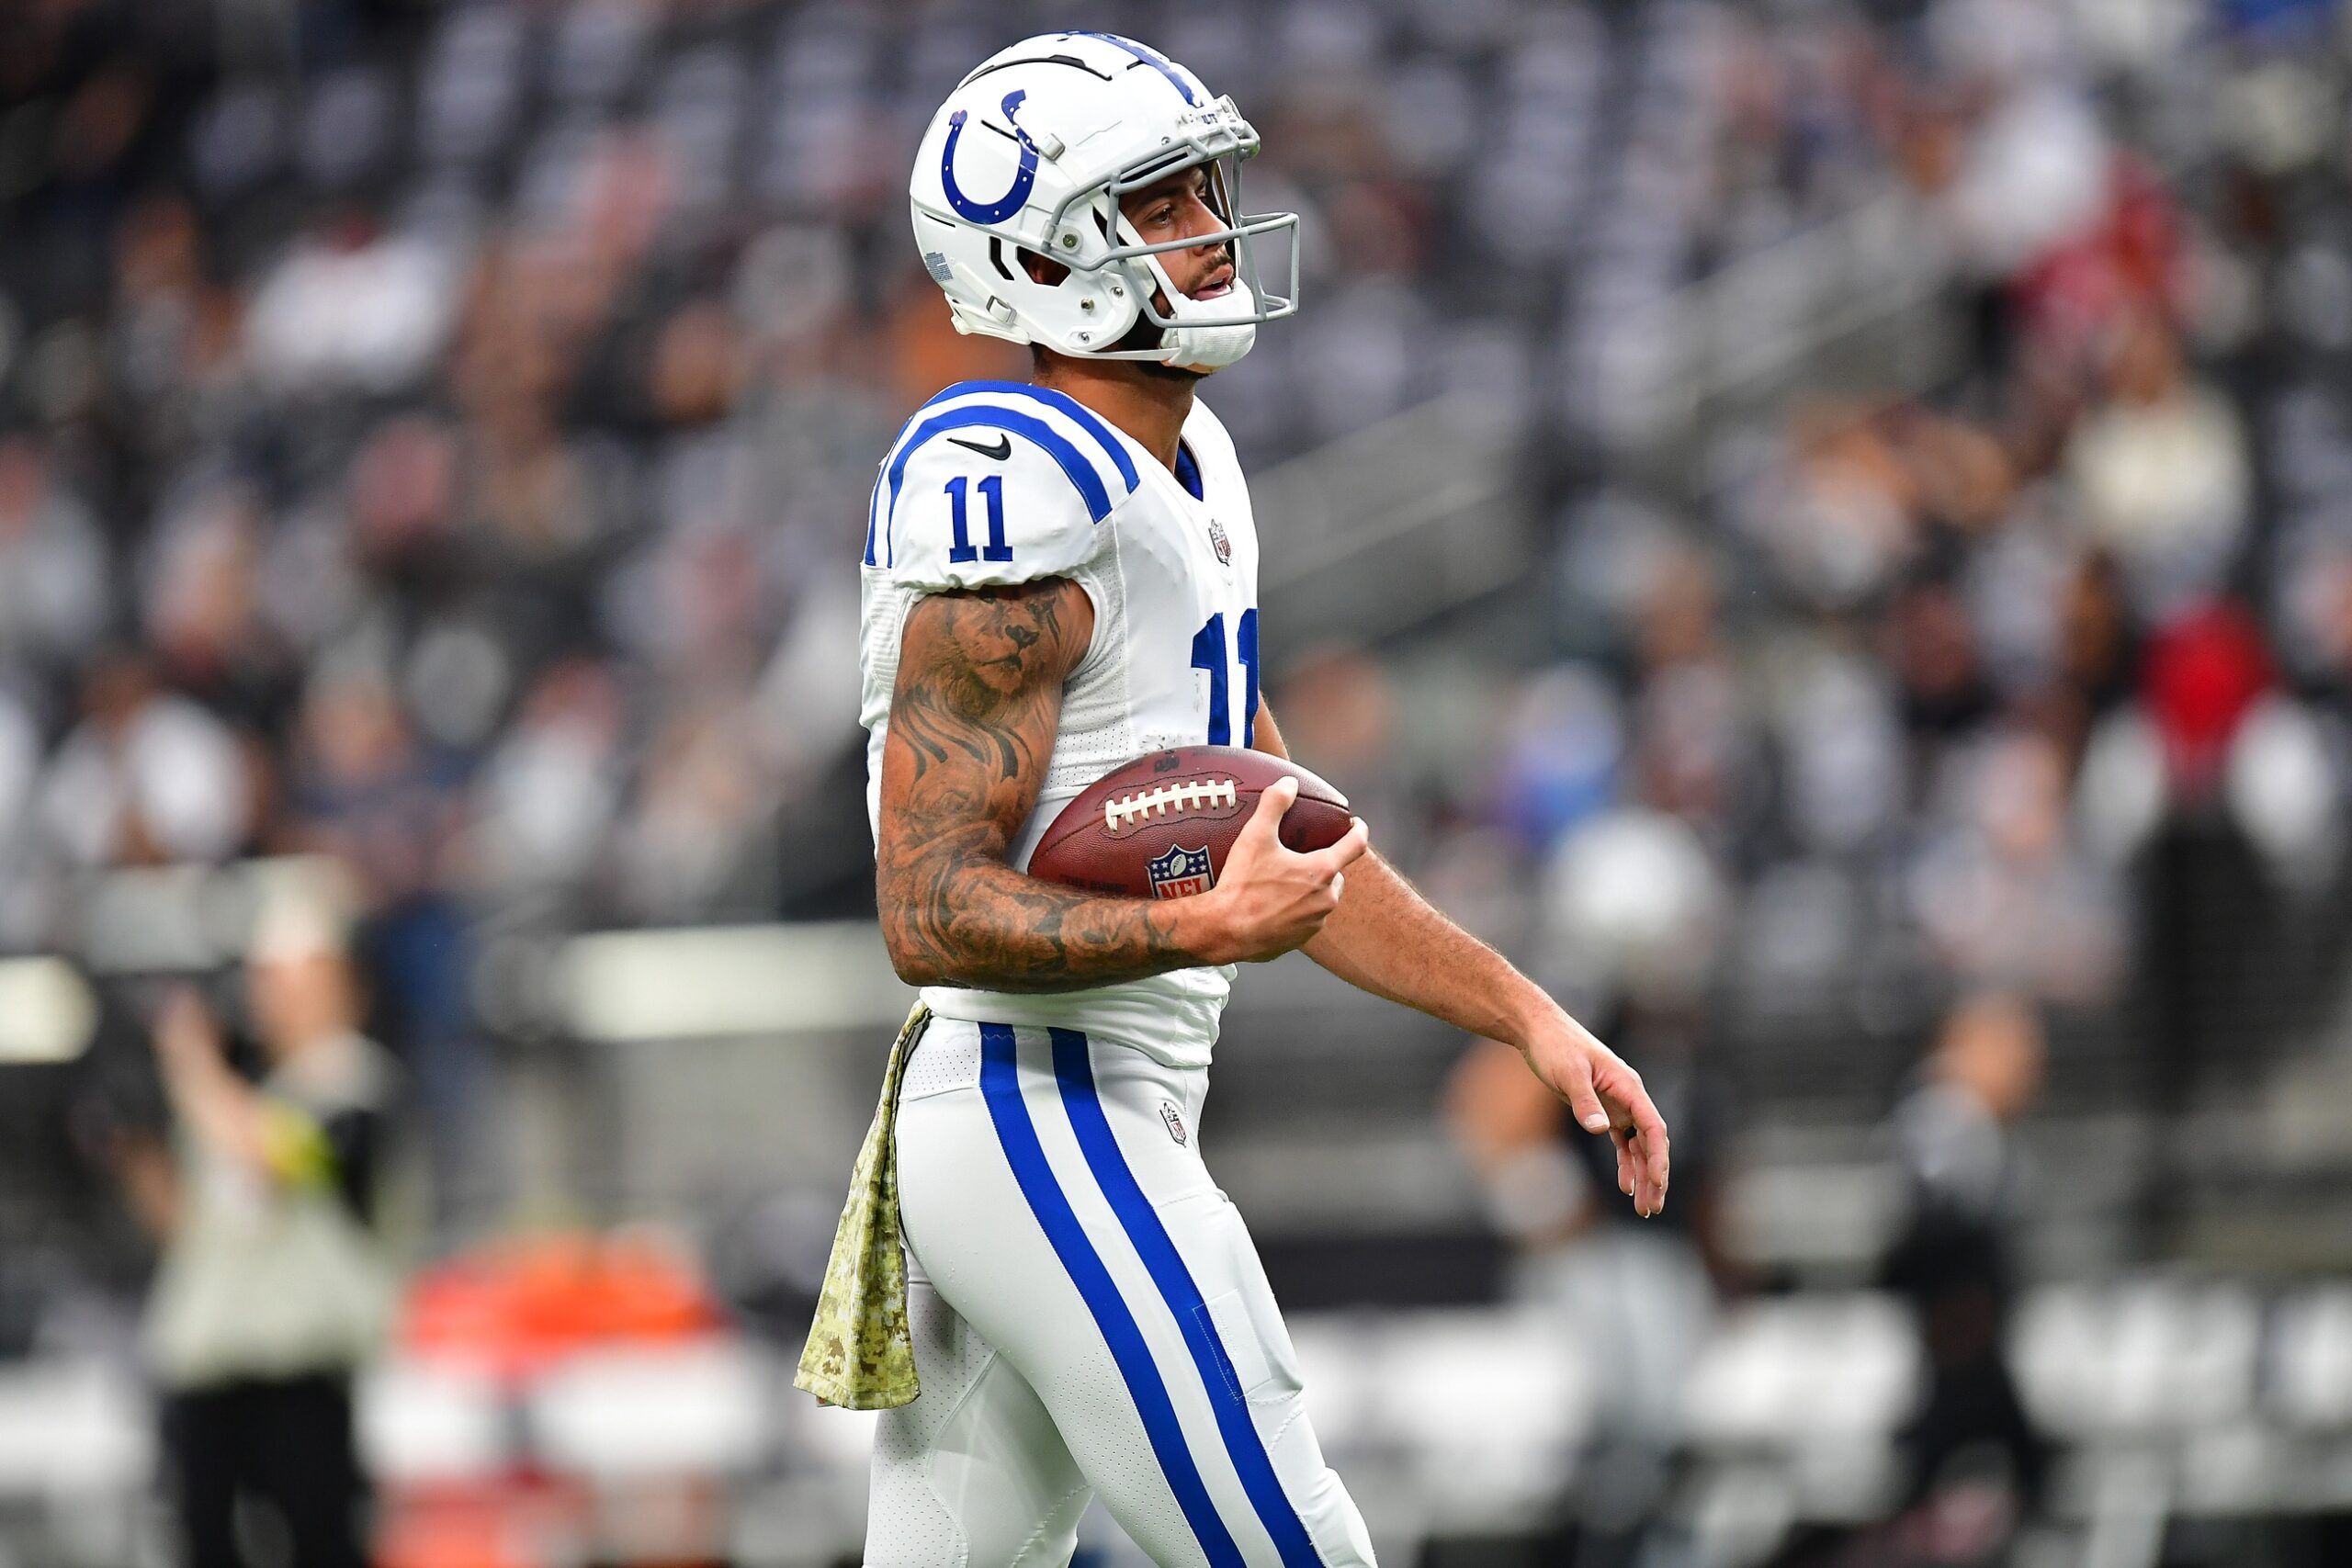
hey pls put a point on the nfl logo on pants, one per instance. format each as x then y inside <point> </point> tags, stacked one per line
<point>1181,872</point>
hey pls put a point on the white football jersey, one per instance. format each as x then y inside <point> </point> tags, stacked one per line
<point>1001,482</point>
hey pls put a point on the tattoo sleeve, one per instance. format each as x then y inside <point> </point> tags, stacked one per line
<point>972,723</point>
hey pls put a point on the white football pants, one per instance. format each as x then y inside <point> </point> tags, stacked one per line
<point>1090,1317</point>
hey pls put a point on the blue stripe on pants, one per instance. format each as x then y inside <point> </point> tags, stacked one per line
<point>1001,1086</point>
<point>1160,1256</point>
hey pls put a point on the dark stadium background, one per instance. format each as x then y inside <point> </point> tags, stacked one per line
<point>1787,517</point>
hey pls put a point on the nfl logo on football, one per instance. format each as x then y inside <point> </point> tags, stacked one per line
<point>1181,872</point>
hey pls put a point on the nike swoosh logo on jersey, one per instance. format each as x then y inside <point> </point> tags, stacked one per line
<point>1001,451</point>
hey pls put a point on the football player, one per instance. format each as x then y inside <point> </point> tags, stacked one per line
<point>1061,576</point>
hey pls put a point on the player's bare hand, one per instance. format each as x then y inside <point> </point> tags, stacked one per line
<point>1606,1095</point>
<point>1272,898</point>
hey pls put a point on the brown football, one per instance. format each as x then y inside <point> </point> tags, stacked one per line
<point>1161,826</point>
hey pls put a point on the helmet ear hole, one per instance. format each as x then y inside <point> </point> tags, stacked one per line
<point>1045,270</point>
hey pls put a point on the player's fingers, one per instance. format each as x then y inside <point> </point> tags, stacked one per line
<point>1345,853</point>
<point>1583,1103</point>
<point>1654,1162</point>
<point>1640,1131</point>
<point>1632,1178</point>
<point>1272,801</point>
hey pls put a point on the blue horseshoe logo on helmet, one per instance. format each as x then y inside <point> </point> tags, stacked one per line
<point>1008,204</point>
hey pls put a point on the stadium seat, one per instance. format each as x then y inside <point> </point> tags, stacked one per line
<point>2309,1380</point>
<point>688,1409</point>
<point>423,1422</point>
<point>2145,1357</point>
<point>1796,1372</point>
<point>72,1428</point>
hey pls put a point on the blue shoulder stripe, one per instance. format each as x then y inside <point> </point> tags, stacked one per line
<point>883,510</point>
<point>1055,445</point>
<point>1087,418</point>
<point>872,519</point>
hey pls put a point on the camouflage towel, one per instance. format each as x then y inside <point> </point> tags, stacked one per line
<point>859,1355</point>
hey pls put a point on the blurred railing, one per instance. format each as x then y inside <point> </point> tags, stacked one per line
<point>1856,303</point>
<point>1856,286</point>
<point>1391,524</point>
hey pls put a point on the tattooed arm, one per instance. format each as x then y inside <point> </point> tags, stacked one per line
<point>972,723</point>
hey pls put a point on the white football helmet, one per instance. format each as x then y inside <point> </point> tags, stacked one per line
<point>1033,151</point>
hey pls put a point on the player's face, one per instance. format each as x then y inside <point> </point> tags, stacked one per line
<point>1173,209</point>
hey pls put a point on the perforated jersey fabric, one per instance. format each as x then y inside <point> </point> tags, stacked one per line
<point>942,1059</point>
<point>972,1474</point>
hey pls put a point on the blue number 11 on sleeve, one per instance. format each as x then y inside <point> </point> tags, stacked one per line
<point>1209,654</point>
<point>992,492</point>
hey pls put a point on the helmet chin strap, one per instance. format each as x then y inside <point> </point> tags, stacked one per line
<point>1203,349</point>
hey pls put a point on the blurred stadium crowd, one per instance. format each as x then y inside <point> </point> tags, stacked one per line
<point>438,436</point>
<point>426,429</point>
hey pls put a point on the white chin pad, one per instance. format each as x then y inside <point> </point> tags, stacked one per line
<point>1203,348</point>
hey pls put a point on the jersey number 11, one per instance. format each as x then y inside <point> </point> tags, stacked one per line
<point>1209,654</point>
<point>992,492</point>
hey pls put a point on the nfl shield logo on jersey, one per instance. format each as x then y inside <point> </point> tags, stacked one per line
<point>1222,546</point>
<point>1181,872</point>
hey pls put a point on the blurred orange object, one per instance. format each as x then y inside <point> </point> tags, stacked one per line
<point>513,1307</point>
<point>512,1524</point>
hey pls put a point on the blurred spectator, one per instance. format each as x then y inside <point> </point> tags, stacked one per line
<point>1637,1297</point>
<point>548,796</point>
<point>2161,468</point>
<point>54,588</point>
<point>1562,750</point>
<point>2206,668</point>
<point>350,307</point>
<point>147,776</point>
<point>276,1281</point>
<point>1936,658</point>
<point>1953,1258</point>
<point>691,842</point>
<point>366,792</point>
<point>536,362</point>
<point>1338,710</point>
<point>1632,900</point>
<point>2000,891</point>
